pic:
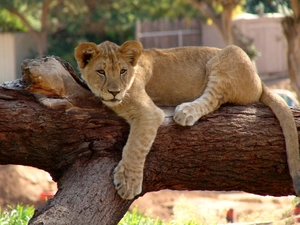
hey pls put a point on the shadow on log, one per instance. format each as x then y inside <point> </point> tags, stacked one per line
<point>50,120</point>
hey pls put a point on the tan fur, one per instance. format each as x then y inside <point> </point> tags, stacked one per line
<point>198,80</point>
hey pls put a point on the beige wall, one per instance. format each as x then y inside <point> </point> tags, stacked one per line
<point>211,36</point>
<point>7,57</point>
<point>268,39</point>
<point>14,48</point>
<point>25,47</point>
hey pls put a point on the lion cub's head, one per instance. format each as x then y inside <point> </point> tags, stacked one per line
<point>108,69</point>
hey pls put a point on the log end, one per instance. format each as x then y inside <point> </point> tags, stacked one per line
<point>49,79</point>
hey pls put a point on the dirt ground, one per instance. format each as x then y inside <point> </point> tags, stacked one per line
<point>211,207</point>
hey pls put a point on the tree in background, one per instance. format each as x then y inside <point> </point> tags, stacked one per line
<point>44,19</point>
<point>270,6</point>
<point>291,30</point>
<point>28,12</point>
<point>221,17</point>
<point>59,25</point>
<point>221,13</point>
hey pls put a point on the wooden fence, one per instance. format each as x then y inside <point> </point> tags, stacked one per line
<point>167,34</point>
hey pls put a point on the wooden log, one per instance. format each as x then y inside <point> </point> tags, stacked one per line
<point>51,121</point>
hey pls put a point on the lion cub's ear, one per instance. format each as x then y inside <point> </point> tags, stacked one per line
<point>132,51</point>
<point>84,52</point>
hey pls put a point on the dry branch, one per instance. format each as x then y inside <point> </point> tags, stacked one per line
<point>49,120</point>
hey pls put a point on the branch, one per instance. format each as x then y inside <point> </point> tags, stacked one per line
<point>206,8</point>
<point>50,120</point>
<point>24,20</point>
<point>296,8</point>
<point>45,12</point>
<point>226,20</point>
<point>221,21</point>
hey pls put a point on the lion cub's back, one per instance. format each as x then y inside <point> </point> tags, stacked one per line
<point>178,74</point>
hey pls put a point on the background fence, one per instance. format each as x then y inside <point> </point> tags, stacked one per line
<point>167,34</point>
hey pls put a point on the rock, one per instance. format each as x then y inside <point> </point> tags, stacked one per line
<point>23,184</point>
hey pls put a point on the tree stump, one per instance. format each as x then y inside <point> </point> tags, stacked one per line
<point>51,121</point>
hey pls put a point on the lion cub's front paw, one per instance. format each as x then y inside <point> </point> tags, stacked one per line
<point>128,183</point>
<point>186,114</point>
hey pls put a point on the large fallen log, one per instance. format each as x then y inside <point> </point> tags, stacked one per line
<point>50,120</point>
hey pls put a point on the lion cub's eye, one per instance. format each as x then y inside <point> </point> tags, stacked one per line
<point>123,71</point>
<point>101,72</point>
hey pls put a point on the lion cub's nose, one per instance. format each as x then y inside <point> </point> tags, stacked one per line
<point>114,92</point>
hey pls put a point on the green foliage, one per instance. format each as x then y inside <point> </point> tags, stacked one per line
<point>135,218</point>
<point>9,22</point>
<point>269,6</point>
<point>18,215</point>
<point>72,21</point>
<point>296,201</point>
<point>111,20</point>
<point>30,9</point>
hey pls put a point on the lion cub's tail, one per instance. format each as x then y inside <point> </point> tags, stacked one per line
<point>287,123</point>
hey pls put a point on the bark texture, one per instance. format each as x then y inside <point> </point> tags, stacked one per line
<point>51,121</point>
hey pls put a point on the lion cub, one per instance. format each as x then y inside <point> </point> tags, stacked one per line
<point>198,80</point>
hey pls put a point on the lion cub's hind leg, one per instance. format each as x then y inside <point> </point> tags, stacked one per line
<point>231,78</point>
<point>214,95</point>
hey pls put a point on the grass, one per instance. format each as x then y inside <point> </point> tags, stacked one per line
<point>18,215</point>
<point>136,218</point>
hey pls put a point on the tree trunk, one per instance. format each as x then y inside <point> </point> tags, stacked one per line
<point>41,42</point>
<point>40,36</point>
<point>223,22</point>
<point>51,121</point>
<point>226,20</point>
<point>291,30</point>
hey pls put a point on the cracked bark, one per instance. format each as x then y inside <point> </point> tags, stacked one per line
<point>51,121</point>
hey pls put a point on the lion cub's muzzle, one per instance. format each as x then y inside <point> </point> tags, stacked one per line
<point>113,98</point>
<point>114,93</point>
